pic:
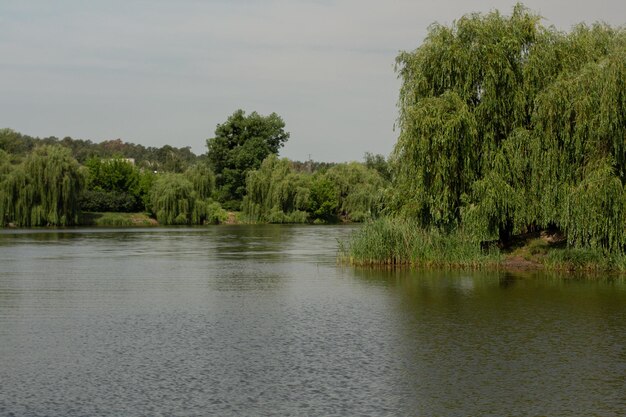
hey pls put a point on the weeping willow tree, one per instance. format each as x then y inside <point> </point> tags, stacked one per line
<point>171,198</point>
<point>507,126</point>
<point>202,180</point>
<point>5,170</point>
<point>462,94</point>
<point>360,190</point>
<point>179,199</point>
<point>43,190</point>
<point>276,194</point>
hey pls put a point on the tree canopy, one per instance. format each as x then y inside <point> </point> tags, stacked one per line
<point>184,198</point>
<point>508,126</point>
<point>278,192</point>
<point>240,145</point>
<point>167,158</point>
<point>42,190</point>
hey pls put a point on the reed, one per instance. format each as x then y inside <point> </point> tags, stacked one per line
<point>398,242</point>
<point>585,259</point>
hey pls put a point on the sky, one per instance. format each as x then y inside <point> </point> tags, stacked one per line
<point>159,72</point>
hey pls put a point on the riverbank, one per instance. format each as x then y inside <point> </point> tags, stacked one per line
<point>109,219</point>
<point>144,219</point>
<point>399,243</point>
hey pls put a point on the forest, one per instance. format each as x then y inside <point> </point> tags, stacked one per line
<point>52,182</point>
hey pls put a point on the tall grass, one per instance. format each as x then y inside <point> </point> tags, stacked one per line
<point>390,242</point>
<point>585,259</point>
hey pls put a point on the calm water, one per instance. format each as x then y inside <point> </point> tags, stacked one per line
<point>241,320</point>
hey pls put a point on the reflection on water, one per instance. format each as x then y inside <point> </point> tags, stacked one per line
<point>259,320</point>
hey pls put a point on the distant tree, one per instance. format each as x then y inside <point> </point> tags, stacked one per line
<point>15,143</point>
<point>112,185</point>
<point>171,159</point>
<point>176,200</point>
<point>115,174</point>
<point>240,145</point>
<point>5,170</point>
<point>311,166</point>
<point>202,180</point>
<point>379,163</point>
<point>172,200</point>
<point>5,164</point>
<point>324,198</point>
<point>276,193</point>
<point>360,190</point>
<point>43,190</point>
<point>81,149</point>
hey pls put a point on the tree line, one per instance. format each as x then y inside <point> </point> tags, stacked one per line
<point>51,182</point>
<point>166,158</point>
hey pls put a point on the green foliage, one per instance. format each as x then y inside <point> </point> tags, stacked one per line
<point>15,143</point>
<point>240,145</point>
<point>575,259</point>
<point>202,180</point>
<point>392,242</point>
<point>171,199</point>
<point>102,201</point>
<point>380,164</point>
<point>115,219</point>
<point>507,126</point>
<point>360,190</point>
<point>146,182</point>
<point>42,190</point>
<point>276,194</point>
<point>164,159</point>
<point>324,198</point>
<point>5,164</point>
<point>5,170</point>
<point>171,159</point>
<point>115,174</point>
<point>174,200</point>
<point>115,185</point>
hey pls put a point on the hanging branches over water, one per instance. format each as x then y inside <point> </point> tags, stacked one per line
<point>507,126</point>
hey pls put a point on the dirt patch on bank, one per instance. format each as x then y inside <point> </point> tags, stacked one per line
<point>232,218</point>
<point>518,263</point>
<point>143,220</point>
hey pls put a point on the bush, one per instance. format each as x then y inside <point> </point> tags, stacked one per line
<point>111,201</point>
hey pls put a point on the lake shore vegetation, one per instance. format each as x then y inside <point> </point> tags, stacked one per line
<point>397,242</point>
<point>507,128</point>
<point>52,182</point>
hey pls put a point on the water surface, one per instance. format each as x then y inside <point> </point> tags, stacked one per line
<point>259,320</point>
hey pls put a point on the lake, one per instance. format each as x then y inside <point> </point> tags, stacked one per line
<point>260,321</point>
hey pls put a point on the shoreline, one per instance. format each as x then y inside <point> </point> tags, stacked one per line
<point>389,243</point>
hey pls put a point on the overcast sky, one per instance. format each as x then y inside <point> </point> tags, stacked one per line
<point>161,72</point>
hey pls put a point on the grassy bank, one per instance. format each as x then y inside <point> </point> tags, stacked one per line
<point>395,242</point>
<point>543,251</point>
<point>116,219</point>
